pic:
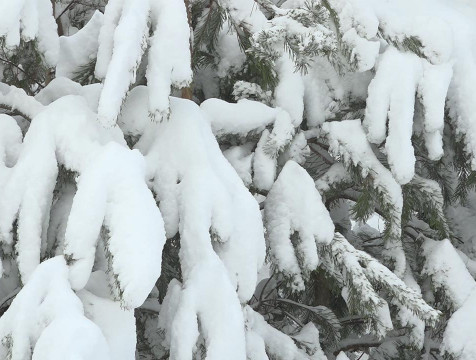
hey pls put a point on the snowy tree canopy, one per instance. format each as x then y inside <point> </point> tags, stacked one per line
<point>237,179</point>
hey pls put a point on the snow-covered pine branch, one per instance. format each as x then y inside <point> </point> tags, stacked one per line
<point>311,196</point>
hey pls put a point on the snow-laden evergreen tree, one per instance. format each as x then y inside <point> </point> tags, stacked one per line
<point>237,179</point>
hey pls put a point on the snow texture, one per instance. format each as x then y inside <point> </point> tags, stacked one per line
<point>262,339</point>
<point>123,39</point>
<point>122,42</point>
<point>171,67</point>
<point>289,213</point>
<point>242,118</point>
<point>347,139</point>
<point>48,312</point>
<point>359,271</point>
<point>221,232</point>
<point>29,20</point>
<point>80,49</point>
<point>111,177</point>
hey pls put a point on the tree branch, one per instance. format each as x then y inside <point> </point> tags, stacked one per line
<point>19,68</point>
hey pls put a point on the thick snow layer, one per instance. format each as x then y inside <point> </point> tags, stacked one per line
<point>112,178</point>
<point>392,94</point>
<point>46,318</point>
<point>287,212</point>
<point>29,20</point>
<point>168,310</point>
<point>221,232</point>
<point>264,164</point>
<point>57,88</point>
<point>17,99</point>
<point>241,158</point>
<point>173,66</point>
<point>364,53</point>
<point>289,93</point>
<point>238,119</point>
<point>442,33</point>
<point>112,193</point>
<point>458,338</point>
<point>79,49</point>
<point>134,116</point>
<point>123,38</point>
<point>184,158</point>
<point>116,323</point>
<point>122,42</point>
<point>447,271</point>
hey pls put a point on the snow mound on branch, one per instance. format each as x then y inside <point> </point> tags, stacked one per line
<point>263,339</point>
<point>79,49</point>
<point>238,119</point>
<point>116,323</point>
<point>221,232</point>
<point>29,20</point>
<point>171,67</point>
<point>458,338</point>
<point>122,42</point>
<point>112,194</point>
<point>442,34</point>
<point>392,94</point>
<point>112,179</point>
<point>294,208</point>
<point>184,158</point>
<point>123,39</point>
<point>47,312</point>
<point>447,270</point>
<point>17,99</point>
<point>347,139</point>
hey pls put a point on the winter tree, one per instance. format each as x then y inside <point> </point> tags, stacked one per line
<point>237,179</point>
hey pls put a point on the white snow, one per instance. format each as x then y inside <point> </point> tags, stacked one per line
<point>116,323</point>
<point>173,66</point>
<point>347,139</point>
<point>288,211</point>
<point>264,164</point>
<point>111,177</point>
<point>359,271</point>
<point>184,158</point>
<point>79,49</point>
<point>447,270</point>
<point>48,312</point>
<point>458,338</point>
<point>121,54</point>
<point>260,336</point>
<point>29,20</point>
<point>241,118</point>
